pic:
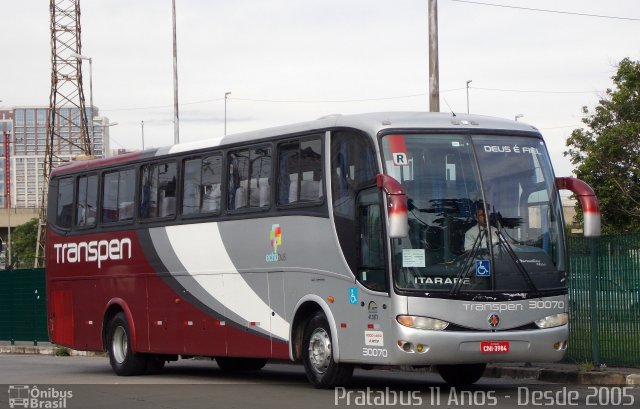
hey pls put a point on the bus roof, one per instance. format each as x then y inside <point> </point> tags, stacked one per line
<point>372,123</point>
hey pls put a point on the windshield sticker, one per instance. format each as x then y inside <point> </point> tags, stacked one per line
<point>482,268</point>
<point>441,280</point>
<point>413,258</point>
<point>398,150</point>
<point>512,149</point>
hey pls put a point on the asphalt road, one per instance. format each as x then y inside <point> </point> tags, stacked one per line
<point>87,382</point>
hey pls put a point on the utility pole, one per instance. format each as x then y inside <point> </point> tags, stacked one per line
<point>468,82</point>
<point>176,119</point>
<point>434,70</point>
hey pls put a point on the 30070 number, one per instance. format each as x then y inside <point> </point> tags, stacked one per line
<point>546,304</point>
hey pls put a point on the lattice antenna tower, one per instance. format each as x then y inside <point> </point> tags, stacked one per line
<point>67,123</point>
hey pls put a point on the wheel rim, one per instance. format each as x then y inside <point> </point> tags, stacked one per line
<point>320,350</point>
<point>120,344</point>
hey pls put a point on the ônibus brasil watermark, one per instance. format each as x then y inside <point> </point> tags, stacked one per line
<point>33,397</point>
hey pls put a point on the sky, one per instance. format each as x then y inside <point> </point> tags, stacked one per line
<point>289,61</point>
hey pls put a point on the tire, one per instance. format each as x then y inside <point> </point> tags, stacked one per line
<point>317,355</point>
<point>241,364</point>
<point>461,375</point>
<point>124,361</point>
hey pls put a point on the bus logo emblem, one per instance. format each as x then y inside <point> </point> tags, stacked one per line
<point>494,320</point>
<point>275,237</point>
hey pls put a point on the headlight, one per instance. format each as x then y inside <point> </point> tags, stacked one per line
<point>422,322</point>
<point>553,320</point>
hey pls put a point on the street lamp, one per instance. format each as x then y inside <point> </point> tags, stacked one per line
<point>83,57</point>
<point>468,82</point>
<point>519,116</point>
<point>226,95</point>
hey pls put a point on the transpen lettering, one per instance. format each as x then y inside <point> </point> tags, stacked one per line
<point>93,251</point>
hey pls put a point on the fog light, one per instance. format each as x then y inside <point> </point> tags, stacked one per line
<point>422,348</point>
<point>560,346</point>
<point>405,346</point>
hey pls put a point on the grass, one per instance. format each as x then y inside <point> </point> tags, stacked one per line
<point>62,351</point>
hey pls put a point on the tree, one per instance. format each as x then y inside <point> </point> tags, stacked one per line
<point>607,153</point>
<point>23,244</point>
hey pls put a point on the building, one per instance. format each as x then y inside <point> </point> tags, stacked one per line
<point>25,132</point>
<point>6,130</point>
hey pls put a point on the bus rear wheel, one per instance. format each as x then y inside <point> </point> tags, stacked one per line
<point>461,375</point>
<point>317,355</point>
<point>241,364</point>
<point>124,361</point>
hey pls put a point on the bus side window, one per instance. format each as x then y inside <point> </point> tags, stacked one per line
<point>86,201</point>
<point>118,193</point>
<point>300,171</point>
<point>65,203</point>
<point>202,179</point>
<point>158,190</point>
<point>249,178</point>
<point>260,175</point>
<point>126,194</point>
<point>110,197</point>
<point>211,183</point>
<point>288,165</point>
<point>191,192</point>
<point>238,176</point>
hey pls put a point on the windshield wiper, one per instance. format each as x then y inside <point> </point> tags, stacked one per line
<point>504,243</point>
<point>466,265</point>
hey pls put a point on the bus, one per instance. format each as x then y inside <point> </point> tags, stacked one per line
<point>369,240</point>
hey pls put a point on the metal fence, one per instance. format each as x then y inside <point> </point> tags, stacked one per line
<point>23,314</point>
<point>604,300</point>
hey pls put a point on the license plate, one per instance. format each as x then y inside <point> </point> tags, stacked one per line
<point>494,347</point>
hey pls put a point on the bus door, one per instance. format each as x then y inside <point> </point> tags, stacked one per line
<point>374,319</point>
<point>358,218</point>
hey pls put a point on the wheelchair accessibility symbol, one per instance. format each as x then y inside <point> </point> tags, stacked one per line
<point>482,268</point>
<point>353,295</point>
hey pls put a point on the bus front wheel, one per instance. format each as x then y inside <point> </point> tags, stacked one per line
<point>317,355</point>
<point>461,375</point>
<point>123,360</point>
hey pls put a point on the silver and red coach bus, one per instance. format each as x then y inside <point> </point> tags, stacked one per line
<point>375,240</point>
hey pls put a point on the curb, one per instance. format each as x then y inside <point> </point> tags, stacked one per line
<point>564,376</point>
<point>44,350</point>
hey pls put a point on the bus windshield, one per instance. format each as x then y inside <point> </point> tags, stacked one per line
<point>484,214</point>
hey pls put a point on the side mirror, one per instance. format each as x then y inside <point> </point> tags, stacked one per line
<point>397,216</point>
<point>588,202</point>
